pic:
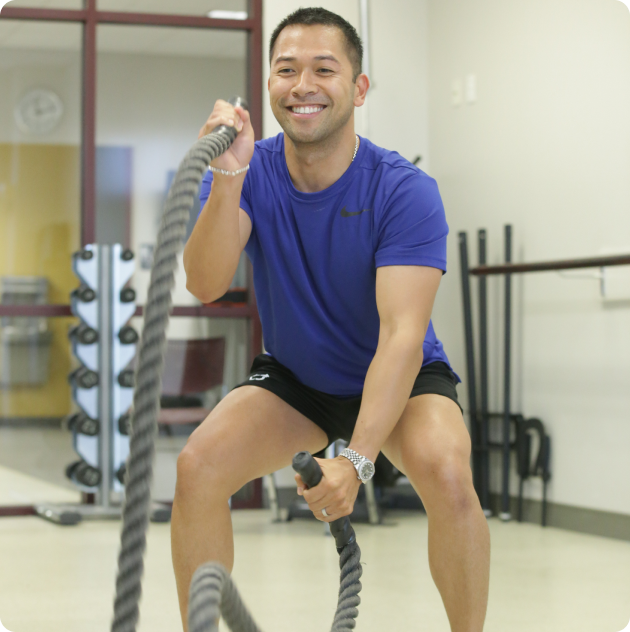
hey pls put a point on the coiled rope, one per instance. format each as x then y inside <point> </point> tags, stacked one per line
<point>212,592</point>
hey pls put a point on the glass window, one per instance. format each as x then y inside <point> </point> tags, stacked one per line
<point>156,88</point>
<point>236,8</point>
<point>35,360</point>
<point>46,4</point>
<point>40,105</point>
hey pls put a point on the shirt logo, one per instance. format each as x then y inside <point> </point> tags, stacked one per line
<point>259,376</point>
<point>345,213</point>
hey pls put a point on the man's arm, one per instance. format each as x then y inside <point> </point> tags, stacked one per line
<point>404,297</point>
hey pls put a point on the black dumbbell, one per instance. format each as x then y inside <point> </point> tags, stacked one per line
<point>124,424</point>
<point>86,475</point>
<point>84,378</point>
<point>126,378</point>
<point>120,474</point>
<point>71,467</point>
<point>127,255</point>
<point>127,295</point>
<point>80,422</point>
<point>84,334</point>
<point>84,293</point>
<point>84,254</point>
<point>128,335</point>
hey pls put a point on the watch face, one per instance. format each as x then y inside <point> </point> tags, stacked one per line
<point>366,470</point>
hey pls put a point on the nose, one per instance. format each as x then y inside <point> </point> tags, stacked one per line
<point>304,84</point>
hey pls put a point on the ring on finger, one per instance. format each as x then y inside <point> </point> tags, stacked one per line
<point>324,512</point>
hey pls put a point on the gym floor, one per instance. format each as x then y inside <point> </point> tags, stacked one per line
<point>61,579</point>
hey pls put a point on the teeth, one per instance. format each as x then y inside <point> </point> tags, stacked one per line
<point>308,110</point>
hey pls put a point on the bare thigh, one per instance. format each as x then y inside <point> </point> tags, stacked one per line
<point>250,433</point>
<point>430,443</point>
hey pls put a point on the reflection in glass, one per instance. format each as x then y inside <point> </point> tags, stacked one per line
<point>199,8</point>
<point>40,98</point>
<point>157,87</point>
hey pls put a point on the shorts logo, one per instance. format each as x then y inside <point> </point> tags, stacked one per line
<point>259,376</point>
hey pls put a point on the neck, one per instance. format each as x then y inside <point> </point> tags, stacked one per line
<point>316,166</point>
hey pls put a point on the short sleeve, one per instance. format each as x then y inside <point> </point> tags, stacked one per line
<point>206,185</point>
<point>413,229</point>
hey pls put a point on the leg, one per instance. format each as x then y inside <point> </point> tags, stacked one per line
<point>250,433</point>
<point>431,445</point>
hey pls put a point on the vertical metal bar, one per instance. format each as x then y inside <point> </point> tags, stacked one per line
<point>105,374</point>
<point>470,355</point>
<point>505,497</point>
<point>364,18</point>
<point>88,128</point>
<point>484,455</point>
<point>254,68</point>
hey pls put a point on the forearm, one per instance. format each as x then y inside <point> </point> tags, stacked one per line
<point>388,384</point>
<point>213,250</point>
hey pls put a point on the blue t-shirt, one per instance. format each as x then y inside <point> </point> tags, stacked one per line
<point>315,255</point>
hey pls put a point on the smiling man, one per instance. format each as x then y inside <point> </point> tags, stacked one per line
<point>348,246</point>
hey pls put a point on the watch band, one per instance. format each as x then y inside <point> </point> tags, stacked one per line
<point>355,458</point>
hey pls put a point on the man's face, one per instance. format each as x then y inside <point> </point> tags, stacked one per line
<point>310,68</point>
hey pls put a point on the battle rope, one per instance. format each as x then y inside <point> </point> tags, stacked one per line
<point>211,592</point>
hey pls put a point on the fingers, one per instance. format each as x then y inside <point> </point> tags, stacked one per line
<point>225,114</point>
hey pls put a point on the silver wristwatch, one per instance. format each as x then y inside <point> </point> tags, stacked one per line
<point>363,466</point>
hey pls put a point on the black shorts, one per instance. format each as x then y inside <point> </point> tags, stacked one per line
<point>335,415</point>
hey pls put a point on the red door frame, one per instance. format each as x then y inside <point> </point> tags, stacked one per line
<point>90,17</point>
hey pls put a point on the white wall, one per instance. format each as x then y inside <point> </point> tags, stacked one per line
<point>545,148</point>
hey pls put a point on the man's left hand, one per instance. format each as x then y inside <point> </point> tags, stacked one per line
<point>336,492</point>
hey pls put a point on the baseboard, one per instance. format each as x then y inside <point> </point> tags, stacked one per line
<point>569,517</point>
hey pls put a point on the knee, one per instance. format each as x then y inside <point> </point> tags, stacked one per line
<point>203,474</point>
<point>444,481</point>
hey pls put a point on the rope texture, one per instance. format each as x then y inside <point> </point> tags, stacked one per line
<point>146,398</point>
<point>212,593</point>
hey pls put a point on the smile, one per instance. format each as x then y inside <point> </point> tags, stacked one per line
<point>306,110</point>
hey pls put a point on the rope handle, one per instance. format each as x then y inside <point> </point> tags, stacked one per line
<point>310,471</point>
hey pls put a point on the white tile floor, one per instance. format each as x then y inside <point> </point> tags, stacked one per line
<point>61,579</point>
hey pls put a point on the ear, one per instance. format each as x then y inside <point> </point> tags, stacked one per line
<point>361,87</point>
<point>268,84</point>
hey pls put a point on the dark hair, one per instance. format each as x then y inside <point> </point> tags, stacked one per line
<point>316,15</point>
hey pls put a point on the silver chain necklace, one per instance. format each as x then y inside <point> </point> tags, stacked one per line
<point>356,148</point>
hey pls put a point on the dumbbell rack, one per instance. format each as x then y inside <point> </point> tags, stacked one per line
<point>102,386</point>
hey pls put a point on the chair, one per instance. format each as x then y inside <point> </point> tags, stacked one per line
<point>191,367</point>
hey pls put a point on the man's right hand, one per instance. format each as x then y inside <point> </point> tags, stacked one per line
<point>240,153</point>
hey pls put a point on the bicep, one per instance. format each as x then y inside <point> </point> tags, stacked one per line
<point>405,297</point>
<point>244,227</point>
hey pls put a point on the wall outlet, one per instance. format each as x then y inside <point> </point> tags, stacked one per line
<point>471,88</point>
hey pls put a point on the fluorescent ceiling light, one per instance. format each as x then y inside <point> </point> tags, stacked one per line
<point>219,14</point>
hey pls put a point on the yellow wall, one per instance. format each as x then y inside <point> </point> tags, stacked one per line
<point>39,231</point>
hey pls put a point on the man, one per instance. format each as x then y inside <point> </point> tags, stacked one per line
<point>348,245</point>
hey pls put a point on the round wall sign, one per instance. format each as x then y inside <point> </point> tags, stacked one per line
<point>39,111</point>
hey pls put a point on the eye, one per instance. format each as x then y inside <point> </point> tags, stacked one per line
<point>325,70</point>
<point>284,70</point>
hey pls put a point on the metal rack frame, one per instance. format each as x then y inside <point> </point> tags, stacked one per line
<point>479,417</point>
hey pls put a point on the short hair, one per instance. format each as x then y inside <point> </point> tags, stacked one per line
<point>312,16</point>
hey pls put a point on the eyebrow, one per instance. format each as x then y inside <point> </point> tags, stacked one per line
<point>318,58</point>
